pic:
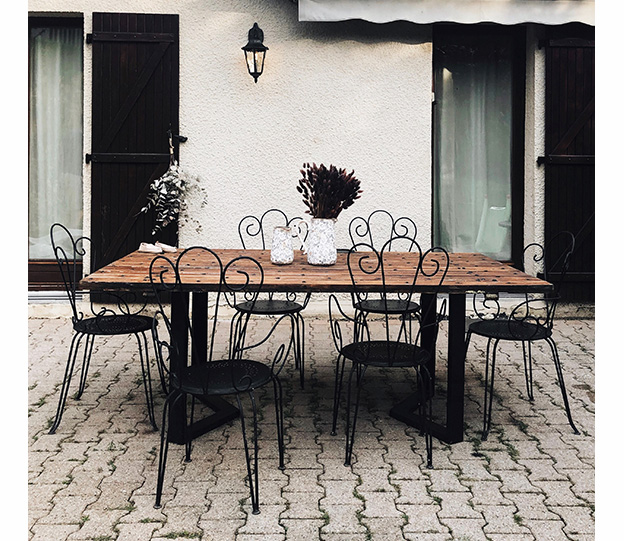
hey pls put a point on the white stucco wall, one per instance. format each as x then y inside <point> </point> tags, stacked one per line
<point>354,94</point>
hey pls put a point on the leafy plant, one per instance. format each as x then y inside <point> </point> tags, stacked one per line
<point>166,196</point>
<point>327,191</point>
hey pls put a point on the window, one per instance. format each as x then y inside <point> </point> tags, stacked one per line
<point>477,148</point>
<point>55,136</point>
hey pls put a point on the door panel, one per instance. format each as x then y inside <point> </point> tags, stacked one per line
<point>569,160</point>
<point>135,104</point>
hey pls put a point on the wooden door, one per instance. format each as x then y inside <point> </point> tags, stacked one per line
<point>135,103</point>
<point>569,160</point>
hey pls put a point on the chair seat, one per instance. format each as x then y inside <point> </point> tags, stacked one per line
<point>505,329</point>
<point>114,324</point>
<point>269,307</point>
<point>222,377</point>
<point>389,306</point>
<point>384,353</point>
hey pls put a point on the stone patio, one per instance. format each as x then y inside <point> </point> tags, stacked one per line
<point>95,479</point>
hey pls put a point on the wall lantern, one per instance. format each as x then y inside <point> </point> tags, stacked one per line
<point>254,51</point>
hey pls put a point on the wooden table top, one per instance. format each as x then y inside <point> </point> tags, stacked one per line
<point>468,272</point>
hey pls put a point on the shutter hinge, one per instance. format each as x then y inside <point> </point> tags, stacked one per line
<point>89,38</point>
<point>87,158</point>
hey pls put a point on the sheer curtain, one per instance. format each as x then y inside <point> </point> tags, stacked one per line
<point>55,135</point>
<point>472,146</point>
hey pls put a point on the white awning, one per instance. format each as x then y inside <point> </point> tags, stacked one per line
<point>458,11</point>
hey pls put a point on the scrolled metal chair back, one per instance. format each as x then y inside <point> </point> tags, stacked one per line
<point>256,232</point>
<point>180,276</point>
<point>241,275</point>
<point>69,252</point>
<point>429,271</point>
<point>378,227</point>
<point>553,260</point>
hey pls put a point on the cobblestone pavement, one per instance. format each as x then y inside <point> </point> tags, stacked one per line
<point>533,479</point>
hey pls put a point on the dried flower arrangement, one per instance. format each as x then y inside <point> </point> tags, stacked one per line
<point>327,191</point>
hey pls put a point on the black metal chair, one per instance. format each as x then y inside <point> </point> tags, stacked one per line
<point>232,374</point>
<point>105,321</point>
<point>530,321</point>
<point>387,343</point>
<point>377,230</point>
<point>256,232</point>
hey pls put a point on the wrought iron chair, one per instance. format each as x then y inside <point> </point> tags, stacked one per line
<point>233,374</point>
<point>256,232</point>
<point>378,230</point>
<point>105,320</point>
<point>530,321</point>
<point>387,343</point>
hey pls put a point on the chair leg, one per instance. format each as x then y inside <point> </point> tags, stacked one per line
<point>279,419</point>
<point>164,446</point>
<point>69,369</point>
<point>147,378</point>
<point>86,361</point>
<point>468,336</point>
<point>300,348</point>
<point>337,391</point>
<point>425,386</point>
<point>236,336</point>
<point>350,429</point>
<point>159,363</point>
<point>528,368</point>
<point>252,468</point>
<point>564,394</point>
<point>187,438</point>
<point>489,388</point>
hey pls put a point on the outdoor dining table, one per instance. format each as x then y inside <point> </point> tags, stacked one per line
<point>467,273</point>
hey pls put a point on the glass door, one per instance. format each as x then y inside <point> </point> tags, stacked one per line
<point>473,148</point>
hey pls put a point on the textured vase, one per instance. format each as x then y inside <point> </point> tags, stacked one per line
<point>322,242</point>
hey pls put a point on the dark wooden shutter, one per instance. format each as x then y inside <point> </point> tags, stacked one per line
<point>569,160</point>
<point>135,103</point>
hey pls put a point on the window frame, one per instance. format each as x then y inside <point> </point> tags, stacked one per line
<point>44,274</point>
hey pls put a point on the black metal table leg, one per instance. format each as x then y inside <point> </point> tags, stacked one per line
<point>453,430</point>
<point>223,410</point>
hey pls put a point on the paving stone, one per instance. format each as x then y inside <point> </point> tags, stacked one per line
<point>304,505</point>
<point>466,528</point>
<point>342,519</point>
<point>46,532</point>
<point>552,530</point>
<point>578,520</point>
<point>301,529</point>
<point>455,505</point>
<point>422,519</point>
<point>384,527</point>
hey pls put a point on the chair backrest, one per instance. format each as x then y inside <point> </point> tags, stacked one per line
<point>379,227</point>
<point>242,275</point>
<point>69,253</point>
<point>554,258</point>
<point>256,232</point>
<point>427,273</point>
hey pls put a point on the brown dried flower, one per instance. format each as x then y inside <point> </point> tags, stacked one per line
<point>327,191</point>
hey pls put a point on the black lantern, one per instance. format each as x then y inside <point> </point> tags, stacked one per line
<point>254,52</point>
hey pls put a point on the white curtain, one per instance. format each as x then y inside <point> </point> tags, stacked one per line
<point>472,148</point>
<point>55,135</point>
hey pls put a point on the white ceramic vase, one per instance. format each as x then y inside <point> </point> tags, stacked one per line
<point>322,241</point>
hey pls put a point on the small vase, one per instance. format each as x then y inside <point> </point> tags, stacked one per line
<point>322,242</point>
